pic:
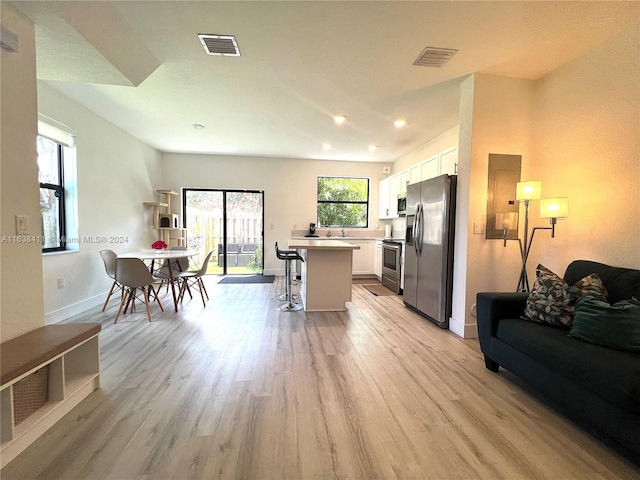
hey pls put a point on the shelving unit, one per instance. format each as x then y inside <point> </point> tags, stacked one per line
<point>72,376</point>
<point>173,237</point>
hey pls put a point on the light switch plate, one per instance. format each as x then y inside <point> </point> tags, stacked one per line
<point>22,224</point>
<point>478,228</point>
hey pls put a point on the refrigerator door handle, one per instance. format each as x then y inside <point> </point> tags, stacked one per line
<point>421,232</point>
<point>418,237</point>
<point>414,230</point>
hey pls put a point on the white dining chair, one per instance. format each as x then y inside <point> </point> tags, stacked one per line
<point>109,258</point>
<point>133,275</point>
<point>180,264</point>
<point>193,279</point>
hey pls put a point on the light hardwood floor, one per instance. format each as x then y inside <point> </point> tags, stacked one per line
<point>241,390</point>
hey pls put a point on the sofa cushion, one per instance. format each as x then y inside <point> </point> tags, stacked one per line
<point>552,300</point>
<point>614,326</point>
<point>621,283</point>
<point>613,375</point>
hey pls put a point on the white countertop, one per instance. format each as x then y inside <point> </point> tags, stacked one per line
<point>337,237</point>
<point>321,244</point>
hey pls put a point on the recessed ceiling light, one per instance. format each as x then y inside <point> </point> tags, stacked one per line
<point>400,122</point>
<point>339,119</point>
<point>373,148</point>
<point>326,145</point>
<point>198,126</point>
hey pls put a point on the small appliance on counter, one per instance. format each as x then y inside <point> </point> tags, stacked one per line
<point>312,230</point>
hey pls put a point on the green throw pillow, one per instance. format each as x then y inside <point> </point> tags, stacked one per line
<point>614,326</point>
<point>552,300</point>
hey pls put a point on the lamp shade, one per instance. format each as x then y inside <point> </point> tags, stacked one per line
<point>554,207</point>
<point>528,190</point>
<point>506,221</point>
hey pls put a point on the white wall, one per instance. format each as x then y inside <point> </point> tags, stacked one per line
<point>289,188</point>
<point>587,148</point>
<point>116,173</point>
<point>577,131</point>
<point>496,117</point>
<point>21,305</point>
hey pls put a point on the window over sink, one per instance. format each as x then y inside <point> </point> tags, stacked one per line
<point>343,202</point>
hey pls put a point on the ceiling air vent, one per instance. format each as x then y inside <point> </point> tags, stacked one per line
<point>435,57</point>
<point>220,45</point>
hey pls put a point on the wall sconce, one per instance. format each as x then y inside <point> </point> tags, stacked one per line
<point>506,221</point>
<point>551,208</point>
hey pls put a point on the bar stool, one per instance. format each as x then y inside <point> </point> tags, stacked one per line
<point>288,256</point>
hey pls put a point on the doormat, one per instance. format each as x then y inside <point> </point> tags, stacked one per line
<point>248,279</point>
<point>379,290</point>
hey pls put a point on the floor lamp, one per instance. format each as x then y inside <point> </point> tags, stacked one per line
<point>525,192</point>
<point>551,208</point>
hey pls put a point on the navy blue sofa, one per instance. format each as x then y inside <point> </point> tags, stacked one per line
<point>591,384</point>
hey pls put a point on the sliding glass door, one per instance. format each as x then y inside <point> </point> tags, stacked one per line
<point>229,223</point>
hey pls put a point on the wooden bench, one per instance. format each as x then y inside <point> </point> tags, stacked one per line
<point>71,354</point>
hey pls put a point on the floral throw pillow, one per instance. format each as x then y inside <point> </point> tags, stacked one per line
<point>553,301</point>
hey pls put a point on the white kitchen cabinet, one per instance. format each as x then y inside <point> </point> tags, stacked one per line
<point>363,259</point>
<point>415,174</point>
<point>383,199</point>
<point>377,260</point>
<point>449,161</point>
<point>404,180</point>
<point>429,168</point>
<point>395,188</point>
<point>444,162</point>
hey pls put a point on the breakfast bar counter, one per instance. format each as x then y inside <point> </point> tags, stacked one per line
<point>326,273</point>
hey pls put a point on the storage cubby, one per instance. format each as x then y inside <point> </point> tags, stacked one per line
<point>72,376</point>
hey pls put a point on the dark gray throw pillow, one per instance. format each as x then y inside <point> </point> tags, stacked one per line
<point>553,301</point>
<point>614,326</point>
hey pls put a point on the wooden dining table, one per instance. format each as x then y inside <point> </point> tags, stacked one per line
<point>171,257</point>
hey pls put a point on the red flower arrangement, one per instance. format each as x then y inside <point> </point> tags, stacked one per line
<point>159,245</point>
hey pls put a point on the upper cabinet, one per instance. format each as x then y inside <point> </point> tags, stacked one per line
<point>383,199</point>
<point>395,187</point>
<point>415,174</point>
<point>405,177</point>
<point>439,164</point>
<point>429,168</point>
<point>449,161</point>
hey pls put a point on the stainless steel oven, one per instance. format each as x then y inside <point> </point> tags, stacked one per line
<point>391,258</point>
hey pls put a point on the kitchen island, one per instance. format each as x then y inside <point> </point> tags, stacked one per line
<point>326,273</point>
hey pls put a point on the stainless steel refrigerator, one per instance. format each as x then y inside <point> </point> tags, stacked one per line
<point>428,261</point>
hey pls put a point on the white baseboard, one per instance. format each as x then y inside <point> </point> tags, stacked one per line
<point>464,330</point>
<point>75,309</point>
<point>278,272</point>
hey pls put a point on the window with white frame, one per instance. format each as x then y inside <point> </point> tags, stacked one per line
<point>56,173</point>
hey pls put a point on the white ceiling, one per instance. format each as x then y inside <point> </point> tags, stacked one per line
<point>140,65</point>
